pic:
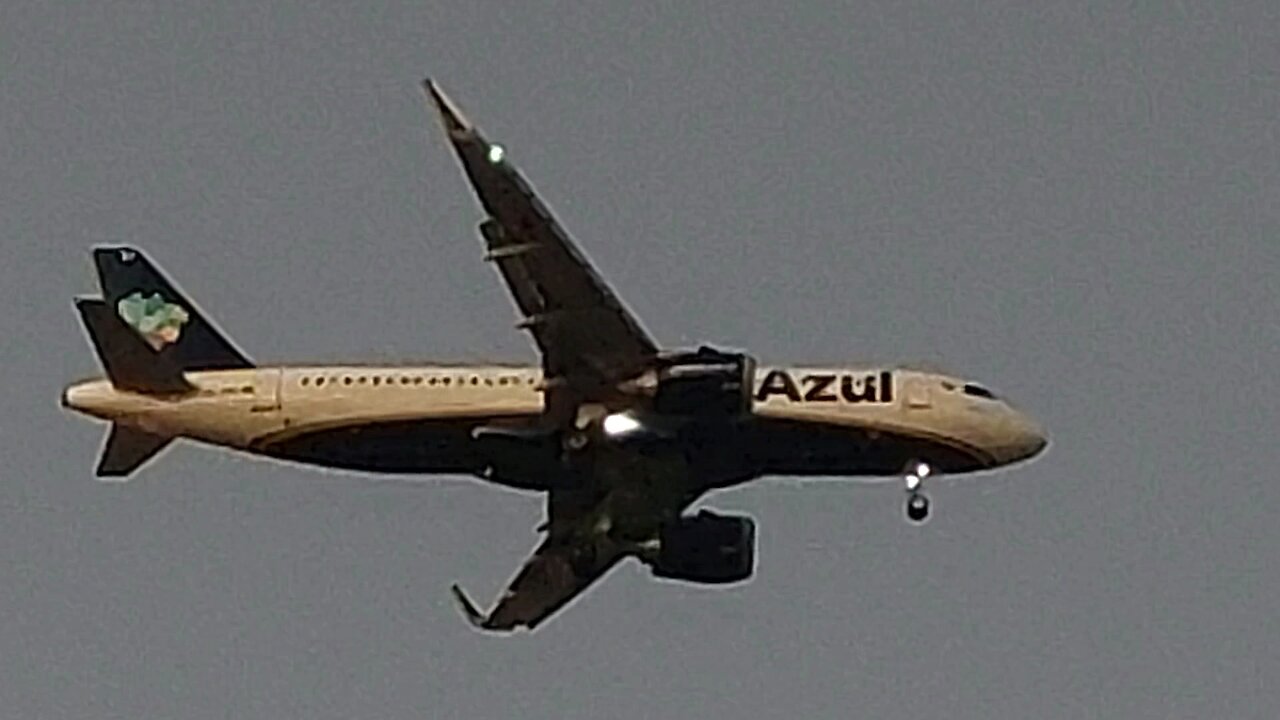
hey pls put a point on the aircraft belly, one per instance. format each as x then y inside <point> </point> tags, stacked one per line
<point>808,447</point>
<point>402,425</point>
<point>389,446</point>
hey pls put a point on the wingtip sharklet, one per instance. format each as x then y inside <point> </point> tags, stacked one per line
<point>469,611</point>
<point>454,121</point>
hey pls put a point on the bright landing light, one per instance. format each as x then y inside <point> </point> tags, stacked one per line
<point>496,153</point>
<point>619,424</point>
<point>917,474</point>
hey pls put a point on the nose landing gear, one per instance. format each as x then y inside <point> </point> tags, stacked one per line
<point>917,507</point>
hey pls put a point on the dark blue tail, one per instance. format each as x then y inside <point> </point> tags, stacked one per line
<point>140,295</point>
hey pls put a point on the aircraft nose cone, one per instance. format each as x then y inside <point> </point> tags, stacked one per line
<point>1030,440</point>
<point>1036,445</point>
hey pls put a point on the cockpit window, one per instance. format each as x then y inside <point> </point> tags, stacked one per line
<point>978,391</point>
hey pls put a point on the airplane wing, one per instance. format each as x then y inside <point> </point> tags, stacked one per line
<point>564,565</point>
<point>579,548</point>
<point>557,572</point>
<point>588,339</point>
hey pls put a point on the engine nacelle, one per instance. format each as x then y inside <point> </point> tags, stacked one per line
<point>704,382</point>
<point>706,548</point>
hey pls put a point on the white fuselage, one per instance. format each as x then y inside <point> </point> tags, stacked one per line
<point>261,408</point>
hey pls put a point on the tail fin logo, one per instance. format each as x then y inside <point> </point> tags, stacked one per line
<point>158,322</point>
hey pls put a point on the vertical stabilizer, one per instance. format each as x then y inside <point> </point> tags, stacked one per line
<point>131,364</point>
<point>136,290</point>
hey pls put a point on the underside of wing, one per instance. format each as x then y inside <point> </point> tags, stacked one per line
<point>587,337</point>
<point>589,529</point>
<point>559,570</point>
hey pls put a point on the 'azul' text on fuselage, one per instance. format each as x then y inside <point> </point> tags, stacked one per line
<point>827,387</point>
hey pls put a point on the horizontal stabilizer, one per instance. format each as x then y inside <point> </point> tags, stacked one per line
<point>130,363</point>
<point>126,449</point>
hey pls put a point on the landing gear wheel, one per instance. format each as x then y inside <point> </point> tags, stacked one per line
<point>917,508</point>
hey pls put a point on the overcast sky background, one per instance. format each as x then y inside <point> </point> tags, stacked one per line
<point>1080,208</point>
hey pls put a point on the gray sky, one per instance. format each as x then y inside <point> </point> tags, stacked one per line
<point>1076,207</point>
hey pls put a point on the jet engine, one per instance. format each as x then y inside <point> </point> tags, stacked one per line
<point>706,548</point>
<point>704,382</point>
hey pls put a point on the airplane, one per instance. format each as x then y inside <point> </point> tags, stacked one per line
<point>621,435</point>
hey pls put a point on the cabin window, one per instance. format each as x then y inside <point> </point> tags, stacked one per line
<point>978,391</point>
<point>346,379</point>
<point>376,380</point>
<point>305,381</point>
<point>475,380</point>
<point>319,381</point>
<point>362,380</point>
<point>417,380</point>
